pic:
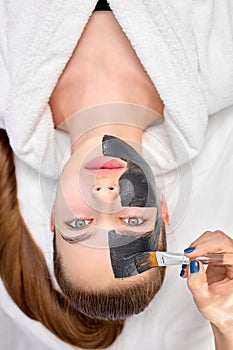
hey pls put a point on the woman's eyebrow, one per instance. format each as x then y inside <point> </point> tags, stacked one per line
<point>79,238</point>
<point>135,234</point>
<point>86,236</point>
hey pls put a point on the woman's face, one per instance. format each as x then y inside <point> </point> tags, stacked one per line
<point>88,206</point>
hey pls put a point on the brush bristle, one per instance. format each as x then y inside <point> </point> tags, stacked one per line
<point>145,261</point>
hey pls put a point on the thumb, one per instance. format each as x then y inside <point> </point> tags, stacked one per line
<point>198,285</point>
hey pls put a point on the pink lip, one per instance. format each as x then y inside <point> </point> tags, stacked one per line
<point>102,172</point>
<point>105,164</point>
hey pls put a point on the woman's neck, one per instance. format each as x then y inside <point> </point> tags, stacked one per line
<point>104,68</point>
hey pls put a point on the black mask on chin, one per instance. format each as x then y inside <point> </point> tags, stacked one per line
<point>137,189</point>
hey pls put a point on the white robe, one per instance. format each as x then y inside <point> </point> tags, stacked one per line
<point>186,48</point>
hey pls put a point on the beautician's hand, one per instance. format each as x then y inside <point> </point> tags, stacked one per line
<point>213,289</point>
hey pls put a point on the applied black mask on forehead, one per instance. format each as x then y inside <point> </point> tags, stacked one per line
<point>137,189</point>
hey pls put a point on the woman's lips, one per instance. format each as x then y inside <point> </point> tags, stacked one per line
<point>105,165</point>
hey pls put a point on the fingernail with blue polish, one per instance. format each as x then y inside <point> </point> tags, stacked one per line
<point>194,266</point>
<point>184,266</point>
<point>182,273</point>
<point>189,250</point>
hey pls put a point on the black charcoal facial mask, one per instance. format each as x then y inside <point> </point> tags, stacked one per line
<point>137,189</point>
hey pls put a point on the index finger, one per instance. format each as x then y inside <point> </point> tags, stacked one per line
<point>211,242</point>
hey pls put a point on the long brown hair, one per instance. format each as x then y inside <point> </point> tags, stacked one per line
<point>26,277</point>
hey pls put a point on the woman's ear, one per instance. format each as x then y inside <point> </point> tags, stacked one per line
<point>52,225</point>
<point>164,209</point>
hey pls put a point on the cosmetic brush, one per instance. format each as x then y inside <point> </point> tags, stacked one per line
<point>146,260</point>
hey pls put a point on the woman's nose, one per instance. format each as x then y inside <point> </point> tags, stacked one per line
<point>105,193</point>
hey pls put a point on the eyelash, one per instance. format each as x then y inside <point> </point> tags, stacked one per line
<point>69,223</point>
<point>134,217</point>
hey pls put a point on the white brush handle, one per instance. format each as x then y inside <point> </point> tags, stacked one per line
<point>168,258</point>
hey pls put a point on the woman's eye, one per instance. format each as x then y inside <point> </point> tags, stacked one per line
<point>134,221</point>
<point>79,224</point>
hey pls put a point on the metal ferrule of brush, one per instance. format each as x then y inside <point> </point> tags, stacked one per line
<point>169,258</point>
